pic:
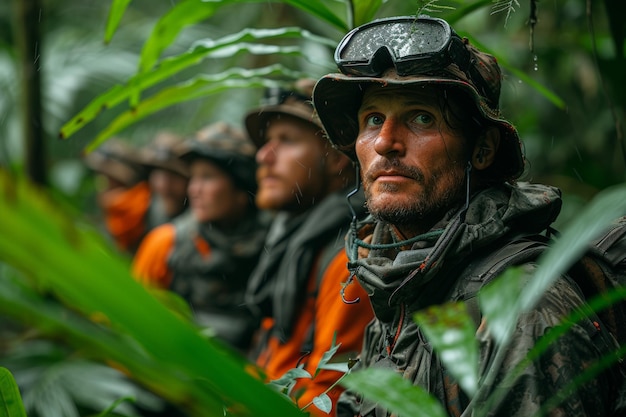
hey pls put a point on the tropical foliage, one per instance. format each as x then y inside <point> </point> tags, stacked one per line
<point>179,65</point>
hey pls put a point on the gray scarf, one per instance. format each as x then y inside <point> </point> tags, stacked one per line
<point>278,284</point>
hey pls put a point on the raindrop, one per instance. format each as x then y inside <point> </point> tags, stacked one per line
<point>536,65</point>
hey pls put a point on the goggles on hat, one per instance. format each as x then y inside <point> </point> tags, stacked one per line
<point>412,45</point>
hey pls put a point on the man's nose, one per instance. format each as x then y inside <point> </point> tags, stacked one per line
<point>390,138</point>
<point>266,153</point>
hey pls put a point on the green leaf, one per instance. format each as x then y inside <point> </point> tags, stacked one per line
<point>168,27</point>
<point>288,380</point>
<point>323,402</point>
<point>596,216</point>
<point>394,393</point>
<point>501,305</point>
<point>317,8</point>
<point>335,366</point>
<point>158,347</point>
<point>193,11</point>
<point>365,10</point>
<point>503,300</point>
<point>462,10</point>
<point>291,375</point>
<point>543,90</point>
<point>118,7</point>
<point>197,88</point>
<point>328,355</point>
<point>451,331</point>
<point>231,44</point>
<point>10,399</point>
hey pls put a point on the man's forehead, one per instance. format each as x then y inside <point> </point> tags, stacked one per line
<point>408,94</point>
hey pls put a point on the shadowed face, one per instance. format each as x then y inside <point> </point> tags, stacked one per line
<point>412,162</point>
<point>171,188</point>
<point>213,196</point>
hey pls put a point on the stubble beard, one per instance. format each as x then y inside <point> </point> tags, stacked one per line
<point>421,210</point>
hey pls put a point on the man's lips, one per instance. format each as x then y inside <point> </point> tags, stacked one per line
<point>391,175</point>
<point>268,179</point>
<point>392,171</point>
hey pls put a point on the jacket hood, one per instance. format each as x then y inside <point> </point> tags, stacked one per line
<point>494,214</point>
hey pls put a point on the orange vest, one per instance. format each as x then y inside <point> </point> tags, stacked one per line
<point>329,314</point>
<point>125,211</point>
<point>150,262</point>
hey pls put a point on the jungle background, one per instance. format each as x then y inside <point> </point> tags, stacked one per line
<point>564,66</point>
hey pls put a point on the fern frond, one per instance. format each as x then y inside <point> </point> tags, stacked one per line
<point>431,6</point>
<point>505,6</point>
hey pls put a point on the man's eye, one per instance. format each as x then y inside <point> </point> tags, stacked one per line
<point>423,118</point>
<point>374,120</point>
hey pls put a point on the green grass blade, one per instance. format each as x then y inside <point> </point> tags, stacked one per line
<point>118,7</point>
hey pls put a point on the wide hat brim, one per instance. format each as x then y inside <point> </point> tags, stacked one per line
<point>256,121</point>
<point>241,168</point>
<point>173,165</point>
<point>337,98</point>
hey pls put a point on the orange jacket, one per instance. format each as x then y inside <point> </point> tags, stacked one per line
<point>150,262</point>
<point>125,211</point>
<point>329,314</point>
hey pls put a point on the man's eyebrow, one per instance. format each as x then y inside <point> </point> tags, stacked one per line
<point>367,108</point>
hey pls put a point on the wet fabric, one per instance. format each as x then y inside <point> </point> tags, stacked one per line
<point>209,268</point>
<point>298,294</point>
<point>431,272</point>
<point>293,243</point>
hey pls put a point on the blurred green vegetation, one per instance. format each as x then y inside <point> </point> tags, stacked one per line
<point>563,89</point>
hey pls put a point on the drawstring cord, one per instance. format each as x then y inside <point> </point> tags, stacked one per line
<point>353,248</point>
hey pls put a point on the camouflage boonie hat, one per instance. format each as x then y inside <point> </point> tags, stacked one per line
<point>337,98</point>
<point>161,153</point>
<point>295,102</point>
<point>117,160</point>
<point>229,148</point>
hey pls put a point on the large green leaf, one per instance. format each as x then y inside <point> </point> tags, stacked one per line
<point>607,206</point>
<point>451,331</point>
<point>10,399</point>
<point>192,11</point>
<point>225,46</point>
<point>20,301</point>
<point>394,393</point>
<point>197,88</point>
<point>69,260</point>
<point>503,300</point>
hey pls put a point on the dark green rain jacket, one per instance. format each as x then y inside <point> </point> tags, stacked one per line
<point>431,271</point>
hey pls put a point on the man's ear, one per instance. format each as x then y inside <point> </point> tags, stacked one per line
<point>486,148</point>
